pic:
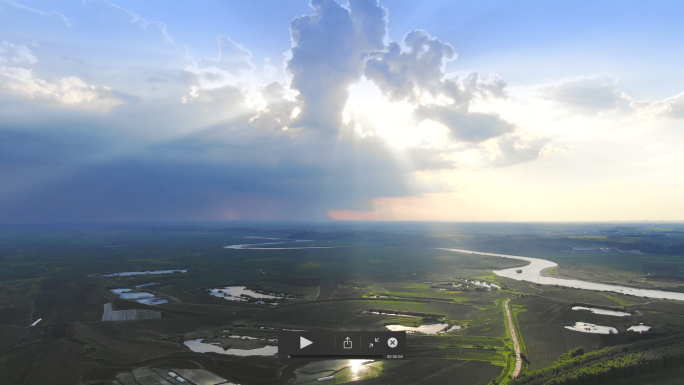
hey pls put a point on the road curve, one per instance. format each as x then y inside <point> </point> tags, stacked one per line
<point>516,344</point>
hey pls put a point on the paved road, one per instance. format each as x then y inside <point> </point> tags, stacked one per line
<point>516,345</point>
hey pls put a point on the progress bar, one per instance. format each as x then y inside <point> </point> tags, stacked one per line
<point>336,356</point>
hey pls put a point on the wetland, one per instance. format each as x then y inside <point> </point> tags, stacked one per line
<point>223,310</point>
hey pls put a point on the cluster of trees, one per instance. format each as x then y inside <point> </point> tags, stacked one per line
<point>601,366</point>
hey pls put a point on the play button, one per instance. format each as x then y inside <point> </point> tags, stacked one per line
<point>303,342</point>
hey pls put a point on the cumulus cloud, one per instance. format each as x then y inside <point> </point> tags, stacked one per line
<point>222,97</point>
<point>417,66</point>
<point>231,70</point>
<point>280,111</point>
<point>403,72</point>
<point>466,126</point>
<point>70,91</point>
<point>512,149</point>
<point>262,150</point>
<point>414,72</point>
<point>587,96</point>
<point>668,108</point>
<point>268,70</point>
<point>328,55</point>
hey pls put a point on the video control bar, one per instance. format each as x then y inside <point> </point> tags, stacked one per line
<point>367,345</point>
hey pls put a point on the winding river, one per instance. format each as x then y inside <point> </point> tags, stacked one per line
<point>533,273</point>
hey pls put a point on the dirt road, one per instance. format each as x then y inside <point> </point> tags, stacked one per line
<point>516,344</point>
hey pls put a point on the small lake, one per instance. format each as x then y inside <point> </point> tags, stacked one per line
<point>453,328</point>
<point>639,328</point>
<point>152,301</point>
<point>139,297</point>
<point>602,311</point>
<point>198,346</point>
<point>532,273</point>
<point>146,284</point>
<point>427,329</point>
<point>127,273</point>
<point>391,314</point>
<point>235,293</point>
<point>591,328</point>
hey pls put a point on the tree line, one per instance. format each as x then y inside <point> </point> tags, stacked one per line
<point>601,366</point>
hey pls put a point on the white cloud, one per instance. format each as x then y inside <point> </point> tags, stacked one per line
<point>268,70</point>
<point>417,66</point>
<point>11,54</point>
<point>465,126</point>
<point>232,69</point>
<point>414,72</point>
<point>232,58</point>
<point>328,50</point>
<point>587,96</point>
<point>280,111</point>
<point>144,23</point>
<point>515,148</point>
<point>40,12</point>
<point>70,91</point>
<point>668,108</point>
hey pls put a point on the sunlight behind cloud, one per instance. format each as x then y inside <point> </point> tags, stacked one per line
<point>393,121</point>
<point>364,118</point>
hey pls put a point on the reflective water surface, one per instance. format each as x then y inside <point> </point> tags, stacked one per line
<point>533,273</point>
<point>200,347</point>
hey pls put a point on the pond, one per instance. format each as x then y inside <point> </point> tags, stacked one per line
<point>139,297</point>
<point>591,328</point>
<point>427,329</point>
<point>453,328</point>
<point>390,314</point>
<point>146,284</point>
<point>639,328</point>
<point>328,370</point>
<point>235,293</point>
<point>602,311</point>
<point>198,346</point>
<point>127,273</point>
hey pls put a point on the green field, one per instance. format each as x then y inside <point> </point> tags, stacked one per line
<point>54,274</point>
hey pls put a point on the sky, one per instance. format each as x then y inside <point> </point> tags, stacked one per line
<point>351,110</point>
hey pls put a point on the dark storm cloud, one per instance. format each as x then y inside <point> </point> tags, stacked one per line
<point>212,174</point>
